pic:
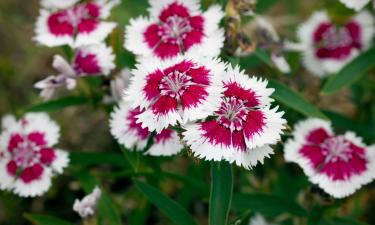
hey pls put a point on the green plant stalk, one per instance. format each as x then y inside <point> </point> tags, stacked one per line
<point>221,193</point>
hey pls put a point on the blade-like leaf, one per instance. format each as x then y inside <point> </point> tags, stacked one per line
<point>58,104</point>
<point>107,210</point>
<point>351,72</point>
<point>294,100</point>
<point>266,204</point>
<point>45,220</point>
<point>96,158</point>
<point>169,207</point>
<point>221,193</point>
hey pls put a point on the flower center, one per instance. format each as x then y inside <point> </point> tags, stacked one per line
<point>175,29</point>
<point>175,84</point>
<point>232,113</point>
<point>336,37</point>
<point>26,154</point>
<point>336,148</point>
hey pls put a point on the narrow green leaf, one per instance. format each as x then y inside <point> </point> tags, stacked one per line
<point>351,72</point>
<point>294,100</point>
<point>45,220</point>
<point>263,56</point>
<point>107,210</point>
<point>221,193</point>
<point>169,207</point>
<point>266,204</point>
<point>96,158</point>
<point>58,104</point>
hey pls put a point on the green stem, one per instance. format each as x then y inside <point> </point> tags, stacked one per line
<point>221,193</point>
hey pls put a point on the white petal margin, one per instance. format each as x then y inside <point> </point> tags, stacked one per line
<point>342,189</point>
<point>96,36</point>
<point>134,39</point>
<point>367,23</point>
<point>203,148</point>
<point>9,126</point>
<point>305,34</point>
<point>168,147</point>
<point>271,131</point>
<point>293,145</point>
<point>213,39</point>
<point>156,7</point>
<point>104,55</point>
<point>6,180</point>
<point>58,4</point>
<point>61,161</point>
<point>256,84</point>
<point>43,35</point>
<point>41,122</point>
<point>120,129</point>
<point>251,157</point>
<point>357,5</point>
<point>106,6</point>
<point>136,95</point>
<point>34,188</point>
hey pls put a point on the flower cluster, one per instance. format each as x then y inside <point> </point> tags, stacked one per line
<point>80,26</point>
<point>339,164</point>
<point>28,158</point>
<point>224,114</point>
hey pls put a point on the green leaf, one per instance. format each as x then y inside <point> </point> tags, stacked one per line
<point>96,158</point>
<point>45,220</point>
<point>263,56</point>
<point>294,100</point>
<point>221,193</point>
<point>266,204</point>
<point>351,72</point>
<point>169,207</point>
<point>107,210</point>
<point>264,5</point>
<point>58,104</point>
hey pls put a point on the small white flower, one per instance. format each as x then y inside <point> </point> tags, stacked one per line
<point>87,206</point>
<point>258,219</point>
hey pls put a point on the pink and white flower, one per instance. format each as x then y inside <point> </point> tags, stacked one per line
<point>339,164</point>
<point>175,91</point>
<point>175,27</point>
<point>28,159</point>
<point>88,61</point>
<point>327,47</point>
<point>129,132</point>
<point>80,24</point>
<point>357,5</point>
<point>243,127</point>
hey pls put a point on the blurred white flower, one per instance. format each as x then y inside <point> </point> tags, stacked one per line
<point>357,5</point>
<point>258,219</point>
<point>87,206</point>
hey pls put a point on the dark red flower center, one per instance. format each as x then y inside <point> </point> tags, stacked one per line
<point>336,42</point>
<point>27,155</point>
<point>86,63</point>
<point>233,113</point>
<point>334,156</point>
<point>175,84</point>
